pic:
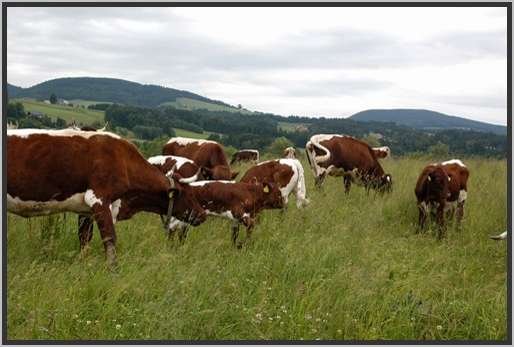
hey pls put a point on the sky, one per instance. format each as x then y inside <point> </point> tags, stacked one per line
<point>313,62</point>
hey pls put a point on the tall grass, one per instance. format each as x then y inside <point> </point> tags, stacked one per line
<point>347,267</point>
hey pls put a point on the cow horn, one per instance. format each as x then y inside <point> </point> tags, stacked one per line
<point>429,179</point>
<point>105,126</point>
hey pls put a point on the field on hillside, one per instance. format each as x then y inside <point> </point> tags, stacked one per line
<point>67,113</point>
<point>346,267</point>
<point>191,104</point>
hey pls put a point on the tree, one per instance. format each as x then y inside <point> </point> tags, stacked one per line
<point>53,99</point>
<point>439,150</point>
<point>60,123</point>
<point>371,140</point>
<point>15,110</point>
<point>278,145</point>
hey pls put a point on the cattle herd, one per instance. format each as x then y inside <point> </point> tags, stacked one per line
<point>104,178</point>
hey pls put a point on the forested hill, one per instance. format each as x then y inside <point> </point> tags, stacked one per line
<point>106,90</point>
<point>427,120</point>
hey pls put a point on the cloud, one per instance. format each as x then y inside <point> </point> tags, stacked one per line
<point>307,61</point>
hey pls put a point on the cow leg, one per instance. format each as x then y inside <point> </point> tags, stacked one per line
<point>460,212</point>
<point>235,232</point>
<point>85,231</point>
<point>249,223</point>
<point>422,216</point>
<point>182,234</point>
<point>103,217</point>
<point>440,221</point>
<point>347,183</point>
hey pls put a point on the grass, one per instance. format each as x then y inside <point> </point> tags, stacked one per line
<point>191,134</point>
<point>67,113</point>
<point>87,103</point>
<point>347,267</point>
<point>191,104</point>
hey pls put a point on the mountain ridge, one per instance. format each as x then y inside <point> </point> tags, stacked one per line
<point>426,120</point>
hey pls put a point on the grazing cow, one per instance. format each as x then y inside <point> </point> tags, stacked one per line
<point>289,153</point>
<point>341,155</point>
<point>185,170</point>
<point>86,172</point>
<point>382,152</point>
<point>502,236</point>
<point>245,155</point>
<point>237,201</point>
<point>208,155</point>
<point>286,173</point>
<point>442,186</point>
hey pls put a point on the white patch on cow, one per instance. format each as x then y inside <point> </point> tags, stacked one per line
<point>290,153</point>
<point>68,132</point>
<point>27,208</point>
<point>224,214</point>
<point>115,209</point>
<point>202,183</point>
<point>250,150</point>
<point>184,141</point>
<point>463,195</point>
<point>424,206</point>
<point>175,223</point>
<point>502,236</point>
<point>91,199</point>
<point>383,149</point>
<point>453,161</point>
<point>315,141</point>
<point>179,161</point>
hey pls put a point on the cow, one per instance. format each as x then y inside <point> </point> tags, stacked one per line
<point>185,169</point>
<point>239,202</point>
<point>245,155</point>
<point>207,154</point>
<point>502,236</point>
<point>382,152</point>
<point>289,153</point>
<point>442,186</point>
<point>286,173</point>
<point>342,155</point>
<point>90,173</point>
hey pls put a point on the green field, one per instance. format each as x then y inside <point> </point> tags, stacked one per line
<point>191,104</point>
<point>191,134</point>
<point>80,115</point>
<point>87,103</point>
<point>346,267</point>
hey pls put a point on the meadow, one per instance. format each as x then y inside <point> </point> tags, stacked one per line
<point>69,114</point>
<point>347,267</point>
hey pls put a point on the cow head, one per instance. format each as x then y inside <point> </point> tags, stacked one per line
<point>271,195</point>
<point>219,172</point>
<point>384,184</point>
<point>185,206</point>
<point>437,181</point>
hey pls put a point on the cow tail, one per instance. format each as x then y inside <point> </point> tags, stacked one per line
<point>301,191</point>
<point>322,158</point>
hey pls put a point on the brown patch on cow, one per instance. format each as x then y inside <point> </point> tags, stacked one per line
<point>208,155</point>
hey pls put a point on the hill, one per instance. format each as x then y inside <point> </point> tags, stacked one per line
<point>426,120</point>
<point>108,90</point>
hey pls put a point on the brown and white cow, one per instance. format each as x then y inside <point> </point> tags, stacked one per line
<point>209,155</point>
<point>286,173</point>
<point>289,153</point>
<point>185,170</point>
<point>442,186</point>
<point>89,173</point>
<point>382,152</point>
<point>237,201</point>
<point>341,155</point>
<point>245,155</point>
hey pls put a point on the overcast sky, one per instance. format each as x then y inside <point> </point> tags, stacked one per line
<point>312,62</point>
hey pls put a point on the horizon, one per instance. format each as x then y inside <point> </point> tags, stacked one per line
<point>310,62</point>
<point>276,114</point>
